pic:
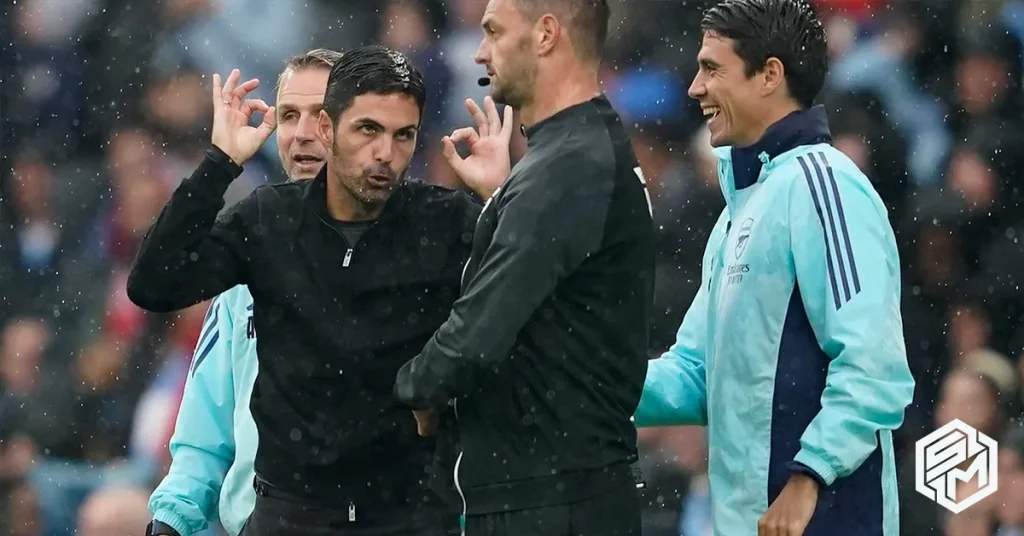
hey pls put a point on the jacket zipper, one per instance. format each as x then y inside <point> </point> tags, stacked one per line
<point>345,264</point>
<point>458,462</point>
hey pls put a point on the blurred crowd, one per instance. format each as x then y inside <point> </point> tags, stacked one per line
<point>105,108</point>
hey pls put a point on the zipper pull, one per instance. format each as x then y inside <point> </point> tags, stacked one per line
<point>351,506</point>
<point>345,263</point>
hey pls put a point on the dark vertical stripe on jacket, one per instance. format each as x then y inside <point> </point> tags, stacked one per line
<point>824,230</point>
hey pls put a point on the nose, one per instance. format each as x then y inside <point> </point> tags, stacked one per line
<point>307,127</point>
<point>482,55</point>
<point>384,149</point>
<point>697,87</point>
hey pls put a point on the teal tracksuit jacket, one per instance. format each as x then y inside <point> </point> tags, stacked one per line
<point>214,441</point>
<point>792,352</point>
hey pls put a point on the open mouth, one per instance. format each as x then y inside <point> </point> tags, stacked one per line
<point>379,180</point>
<point>711,112</point>
<point>307,159</point>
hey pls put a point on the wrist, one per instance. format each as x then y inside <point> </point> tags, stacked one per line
<point>804,482</point>
<point>231,157</point>
<point>158,528</point>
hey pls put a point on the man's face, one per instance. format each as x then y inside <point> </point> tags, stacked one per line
<point>373,141</point>
<point>506,51</point>
<point>731,101</point>
<point>299,101</point>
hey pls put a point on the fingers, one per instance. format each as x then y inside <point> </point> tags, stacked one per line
<point>269,123</point>
<point>216,90</point>
<point>232,93</point>
<point>482,125</point>
<point>229,86</point>
<point>467,134</point>
<point>254,105</point>
<point>506,124</point>
<point>241,91</point>
<point>493,120</point>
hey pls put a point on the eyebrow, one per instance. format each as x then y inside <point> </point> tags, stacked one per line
<point>366,121</point>
<point>707,64</point>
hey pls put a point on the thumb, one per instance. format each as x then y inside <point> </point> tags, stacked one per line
<point>269,123</point>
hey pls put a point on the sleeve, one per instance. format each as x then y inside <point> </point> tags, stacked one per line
<point>203,446</point>
<point>847,266</point>
<point>547,225</point>
<point>676,389</point>
<point>190,254</point>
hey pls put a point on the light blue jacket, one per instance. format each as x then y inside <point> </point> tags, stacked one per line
<point>792,352</point>
<point>214,441</point>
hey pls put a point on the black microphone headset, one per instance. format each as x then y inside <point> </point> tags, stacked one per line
<point>484,81</point>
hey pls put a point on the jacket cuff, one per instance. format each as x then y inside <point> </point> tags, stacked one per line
<point>814,467</point>
<point>174,521</point>
<point>222,159</point>
<point>215,173</point>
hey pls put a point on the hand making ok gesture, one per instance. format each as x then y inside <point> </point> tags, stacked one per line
<point>231,132</point>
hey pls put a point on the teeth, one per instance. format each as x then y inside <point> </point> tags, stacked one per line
<point>711,111</point>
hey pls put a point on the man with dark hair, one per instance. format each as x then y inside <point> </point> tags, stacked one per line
<point>350,273</point>
<point>214,441</point>
<point>801,402</point>
<point>544,354</point>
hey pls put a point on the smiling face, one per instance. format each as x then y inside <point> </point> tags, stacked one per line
<point>299,101</point>
<point>506,53</point>
<point>733,103</point>
<point>372,144</point>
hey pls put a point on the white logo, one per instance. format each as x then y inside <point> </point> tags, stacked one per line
<point>938,460</point>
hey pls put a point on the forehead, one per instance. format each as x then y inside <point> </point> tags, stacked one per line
<point>501,12</point>
<point>305,83</point>
<point>394,110</point>
<point>717,48</point>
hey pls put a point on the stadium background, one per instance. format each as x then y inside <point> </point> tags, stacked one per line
<point>104,106</point>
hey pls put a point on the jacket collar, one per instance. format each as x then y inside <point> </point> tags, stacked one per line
<point>802,127</point>
<point>315,197</point>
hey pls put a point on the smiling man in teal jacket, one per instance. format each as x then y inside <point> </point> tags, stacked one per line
<point>792,352</point>
<point>214,443</point>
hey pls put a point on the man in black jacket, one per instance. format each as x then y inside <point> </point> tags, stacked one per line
<point>351,273</point>
<point>545,353</point>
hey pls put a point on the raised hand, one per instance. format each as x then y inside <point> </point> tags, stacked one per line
<point>231,132</point>
<point>489,162</point>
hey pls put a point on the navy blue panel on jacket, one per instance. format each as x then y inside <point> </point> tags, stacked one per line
<point>799,381</point>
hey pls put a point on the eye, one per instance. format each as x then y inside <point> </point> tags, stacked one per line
<point>405,136</point>
<point>368,129</point>
<point>290,116</point>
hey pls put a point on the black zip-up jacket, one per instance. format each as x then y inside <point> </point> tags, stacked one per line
<point>545,353</point>
<point>334,321</point>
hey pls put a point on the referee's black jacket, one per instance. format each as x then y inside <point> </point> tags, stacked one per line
<point>545,353</point>
<point>334,321</point>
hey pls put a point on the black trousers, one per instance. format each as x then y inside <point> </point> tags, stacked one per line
<point>616,513</point>
<point>276,514</point>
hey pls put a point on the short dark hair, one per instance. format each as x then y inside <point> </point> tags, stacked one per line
<point>323,58</point>
<point>785,29</point>
<point>372,69</point>
<point>588,20</point>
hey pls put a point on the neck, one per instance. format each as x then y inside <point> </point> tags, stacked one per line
<point>773,114</point>
<point>343,206</point>
<point>571,87</point>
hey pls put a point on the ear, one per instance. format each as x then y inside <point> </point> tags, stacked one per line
<point>547,32</point>
<point>773,76</point>
<point>325,129</point>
